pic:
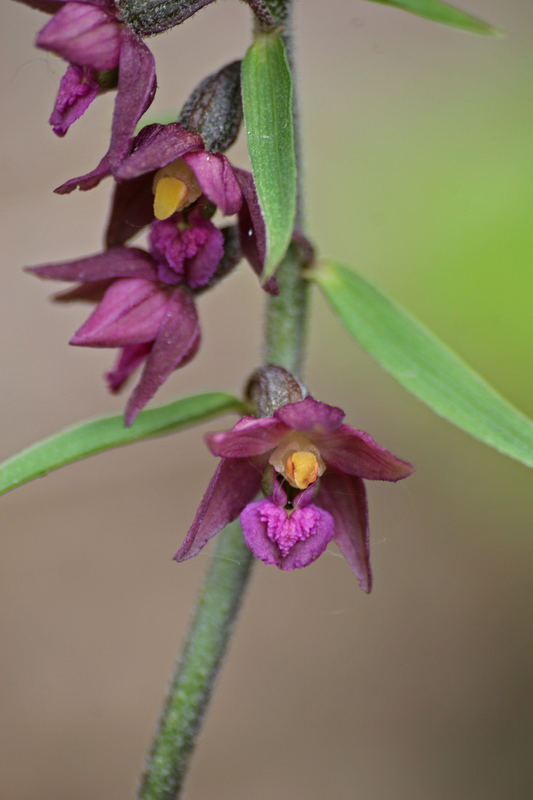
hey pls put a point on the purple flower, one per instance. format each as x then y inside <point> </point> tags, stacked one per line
<point>145,301</point>
<point>91,37</point>
<point>168,169</point>
<point>318,465</point>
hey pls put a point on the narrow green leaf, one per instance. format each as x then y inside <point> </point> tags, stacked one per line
<point>96,435</point>
<point>442,12</point>
<point>267,105</point>
<point>424,365</point>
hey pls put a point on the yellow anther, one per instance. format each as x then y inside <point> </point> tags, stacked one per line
<point>170,194</point>
<point>174,187</point>
<point>302,468</point>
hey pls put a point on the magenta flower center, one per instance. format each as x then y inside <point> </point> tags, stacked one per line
<point>286,528</point>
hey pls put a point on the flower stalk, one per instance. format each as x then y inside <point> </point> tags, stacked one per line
<point>197,667</point>
<point>220,598</point>
<point>286,315</point>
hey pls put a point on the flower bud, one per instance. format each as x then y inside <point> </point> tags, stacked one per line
<point>271,387</point>
<point>214,109</point>
<point>147,17</point>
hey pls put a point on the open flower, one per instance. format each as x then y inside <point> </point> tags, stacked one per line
<point>91,37</point>
<point>166,171</point>
<point>145,301</point>
<point>318,465</point>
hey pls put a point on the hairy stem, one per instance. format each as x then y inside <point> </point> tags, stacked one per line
<point>220,598</point>
<point>263,15</point>
<point>286,315</point>
<point>197,667</point>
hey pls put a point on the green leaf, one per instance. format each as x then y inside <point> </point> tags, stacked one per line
<point>267,105</point>
<point>424,365</point>
<point>442,12</point>
<point>96,435</point>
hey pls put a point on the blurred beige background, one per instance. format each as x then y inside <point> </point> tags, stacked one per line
<point>419,155</point>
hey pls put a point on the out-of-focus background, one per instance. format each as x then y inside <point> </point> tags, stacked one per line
<point>419,173</point>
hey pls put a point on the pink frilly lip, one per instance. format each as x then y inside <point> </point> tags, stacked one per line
<point>289,539</point>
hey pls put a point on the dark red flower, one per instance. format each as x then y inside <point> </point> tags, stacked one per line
<point>91,37</point>
<point>145,301</point>
<point>318,465</point>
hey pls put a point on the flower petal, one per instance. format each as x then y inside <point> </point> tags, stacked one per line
<point>311,416</point>
<point>252,229</point>
<point>82,34</point>
<point>279,495</point>
<point>254,528</point>
<point>288,541</point>
<point>305,497</point>
<point>169,249</point>
<point>132,209</point>
<point>77,89</point>
<point>251,224</point>
<point>129,358</point>
<point>217,179</point>
<point>176,342</point>
<point>234,484</point>
<point>135,92</point>
<point>87,181</point>
<point>119,262</point>
<point>136,89</point>
<point>308,550</point>
<point>356,453</point>
<point>201,267</point>
<point>155,147</point>
<point>131,312</point>
<point>92,292</point>
<point>249,437</point>
<point>344,497</point>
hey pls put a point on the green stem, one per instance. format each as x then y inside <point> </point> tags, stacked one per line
<point>286,315</point>
<point>220,598</point>
<point>197,667</point>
